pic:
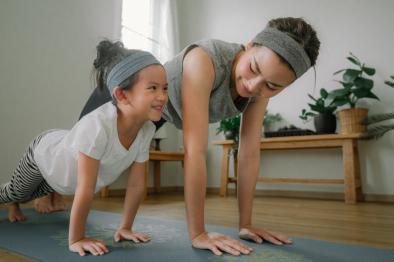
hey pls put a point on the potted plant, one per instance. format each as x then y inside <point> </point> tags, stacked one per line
<point>270,120</point>
<point>356,85</point>
<point>323,113</point>
<point>377,131</point>
<point>230,127</point>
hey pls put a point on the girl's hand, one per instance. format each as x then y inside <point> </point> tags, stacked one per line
<point>217,242</point>
<point>94,246</point>
<point>126,234</point>
<point>259,235</point>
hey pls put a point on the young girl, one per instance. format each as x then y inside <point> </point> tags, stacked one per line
<point>211,80</point>
<point>112,138</point>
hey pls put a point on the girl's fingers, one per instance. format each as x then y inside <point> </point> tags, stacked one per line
<point>81,251</point>
<point>215,250</point>
<point>102,246</point>
<point>143,237</point>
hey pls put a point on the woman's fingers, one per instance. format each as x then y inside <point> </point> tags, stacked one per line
<point>223,246</point>
<point>249,235</point>
<point>238,246</point>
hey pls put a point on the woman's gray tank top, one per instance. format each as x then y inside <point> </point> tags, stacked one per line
<point>221,105</point>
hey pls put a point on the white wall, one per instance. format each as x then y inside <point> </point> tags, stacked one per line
<point>47,51</point>
<point>360,26</point>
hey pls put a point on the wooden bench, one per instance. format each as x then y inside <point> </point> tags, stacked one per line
<point>351,165</point>
<point>156,156</point>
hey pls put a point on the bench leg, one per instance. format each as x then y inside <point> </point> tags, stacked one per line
<point>351,164</point>
<point>104,192</point>
<point>224,170</point>
<point>146,179</point>
<point>156,178</point>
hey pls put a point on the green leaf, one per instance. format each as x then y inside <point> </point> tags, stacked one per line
<point>323,93</point>
<point>354,61</point>
<point>311,97</point>
<point>389,83</point>
<point>330,109</point>
<point>369,71</point>
<point>316,108</point>
<point>339,93</point>
<point>364,93</point>
<point>346,85</point>
<point>340,101</point>
<point>373,96</point>
<point>392,77</point>
<point>339,71</point>
<point>355,57</point>
<point>350,75</point>
<point>361,82</point>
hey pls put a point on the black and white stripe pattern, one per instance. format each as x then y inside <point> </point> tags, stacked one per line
<point>27,183</point>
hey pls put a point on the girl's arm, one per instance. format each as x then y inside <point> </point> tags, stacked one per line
<point>86,183</point>
<point>134,196</point>
<point>248,172</point>
<point>197,82</point>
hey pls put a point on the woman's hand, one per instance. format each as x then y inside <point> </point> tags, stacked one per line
<point>260,235</point>
<point>126,234</point>
<point>94,246</point>
<point>217,242</point>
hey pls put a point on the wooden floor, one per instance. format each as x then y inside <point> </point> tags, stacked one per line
<point>365,223</point>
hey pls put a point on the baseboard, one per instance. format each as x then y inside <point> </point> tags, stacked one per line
<point>272,193</point>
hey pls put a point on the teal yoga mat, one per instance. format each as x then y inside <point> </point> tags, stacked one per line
<point>44,237</point>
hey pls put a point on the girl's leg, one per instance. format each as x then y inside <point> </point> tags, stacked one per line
<point>15,213</point>
<point>26,184</point>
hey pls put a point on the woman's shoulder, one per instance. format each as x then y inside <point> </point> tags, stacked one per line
<point>218,49</point>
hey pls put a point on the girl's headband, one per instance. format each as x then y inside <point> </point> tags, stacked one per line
<point>128,66</point>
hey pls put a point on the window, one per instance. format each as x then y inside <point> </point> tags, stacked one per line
<point>150,25</point>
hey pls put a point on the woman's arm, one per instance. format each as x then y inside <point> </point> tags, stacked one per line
<point>197,82</point>
<point>248,172</point>
<point>86,183</point>
<point>134,196</point>
<point>198,78</point>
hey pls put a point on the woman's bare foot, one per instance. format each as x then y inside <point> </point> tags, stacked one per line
<point>58,203</point>
<point>43,204</point>
<point>15,213</point>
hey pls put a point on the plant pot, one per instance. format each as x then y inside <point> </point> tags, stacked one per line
<point>325,123</point>
<point>229,135</point>
<point>350,120</point>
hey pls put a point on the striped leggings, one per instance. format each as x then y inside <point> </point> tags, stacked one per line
<point>27,183</point>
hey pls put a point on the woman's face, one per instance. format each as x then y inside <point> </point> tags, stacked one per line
<point>260,72</point>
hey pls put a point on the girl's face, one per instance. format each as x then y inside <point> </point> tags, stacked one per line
<point>148,96</point>
<point>260,72</point>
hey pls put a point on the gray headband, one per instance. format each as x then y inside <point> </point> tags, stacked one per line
<point>286,47</point>
<point>128,66</point>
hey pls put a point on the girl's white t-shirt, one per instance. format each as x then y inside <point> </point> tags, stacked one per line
<point>95,135</point>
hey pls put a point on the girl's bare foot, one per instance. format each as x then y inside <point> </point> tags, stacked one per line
<point>15,213</point>
<point>43,204</point>
<point>58,203</point>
